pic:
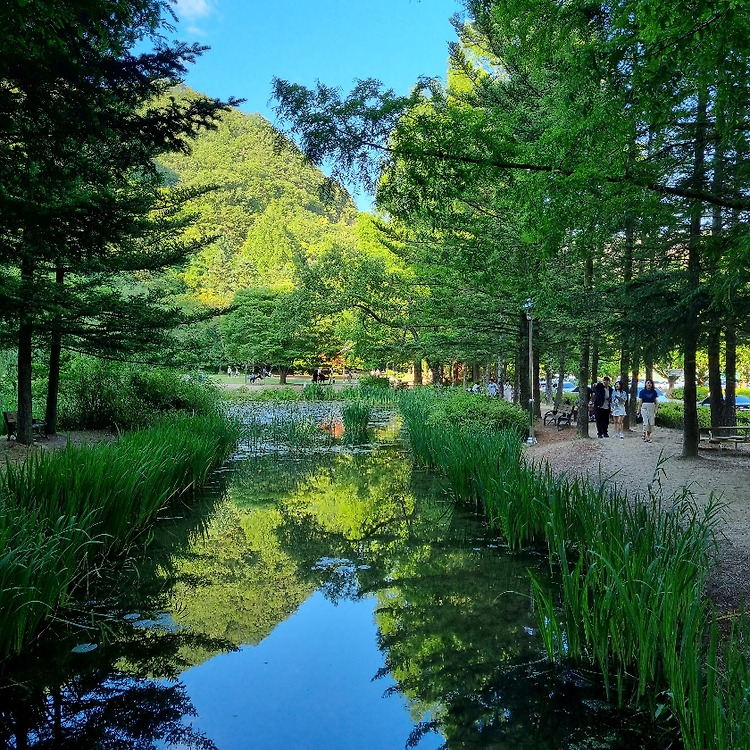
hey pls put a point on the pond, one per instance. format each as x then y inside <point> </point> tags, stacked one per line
<point>328,596</point>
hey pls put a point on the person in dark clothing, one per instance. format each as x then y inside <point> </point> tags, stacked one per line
<point>602,403</point>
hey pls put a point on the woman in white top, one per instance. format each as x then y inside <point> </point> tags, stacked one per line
<point>619,397</point>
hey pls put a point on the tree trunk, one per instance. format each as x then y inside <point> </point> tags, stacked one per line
<point>53,381</point>
<point>434,373</point>
<point>418,371</point>
<point>714,375</point>
<point>726,415</point>
<point>595,359</point>
<point>523,387</point>
<point>633,400</point>
<point>283,372</point>
<point>582,428</point>
<point>561,376</point>
<point>24,431</point>
<point>537,392</point>
<point>730,368</point>
<point>690,435</point>
<point>627,277</point>
<point>624,370</point>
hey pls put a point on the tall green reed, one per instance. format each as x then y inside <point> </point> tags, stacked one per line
<point>356,418</point>
<point>64,512</point>
<point>291,429</point>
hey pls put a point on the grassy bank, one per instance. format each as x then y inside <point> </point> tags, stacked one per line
<point>633,575</point>
<point>62,514</point>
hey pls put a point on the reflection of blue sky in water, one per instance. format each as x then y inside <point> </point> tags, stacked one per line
<point>307,686</point>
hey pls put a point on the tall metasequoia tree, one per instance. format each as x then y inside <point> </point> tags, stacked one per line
<point>584,376</point>
<point>692,324</point>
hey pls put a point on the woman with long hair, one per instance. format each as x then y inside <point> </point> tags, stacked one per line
<point>619,397</point>
<point>647,407</point>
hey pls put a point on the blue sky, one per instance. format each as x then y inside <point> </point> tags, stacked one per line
<point>334,41</point>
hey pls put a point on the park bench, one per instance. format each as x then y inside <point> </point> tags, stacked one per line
<point>563,416</point>
<point>11,421</point>
<point>723,434</point>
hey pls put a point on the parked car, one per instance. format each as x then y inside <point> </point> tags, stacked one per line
<point>741,403</point>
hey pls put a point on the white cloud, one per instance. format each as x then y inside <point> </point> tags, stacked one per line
<point>192,9</point>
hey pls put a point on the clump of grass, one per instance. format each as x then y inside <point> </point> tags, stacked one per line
<point>64,512</point>
<point>356,418</point>
<point>318,392</point>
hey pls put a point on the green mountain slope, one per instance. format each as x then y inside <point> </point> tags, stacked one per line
<point>265,209</point>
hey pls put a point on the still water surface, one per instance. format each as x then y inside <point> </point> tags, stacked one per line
<point>324,598</point>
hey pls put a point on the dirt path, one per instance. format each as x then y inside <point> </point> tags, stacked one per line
<point>12,451</point>
<point>630,464</point>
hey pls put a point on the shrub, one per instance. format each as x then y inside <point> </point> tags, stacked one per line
<point>373,381</point>
<point>468,410</point>
<point>673,415</point>
<point>95,394</point>
<point>670,415</point>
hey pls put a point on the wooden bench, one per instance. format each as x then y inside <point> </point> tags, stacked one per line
<point>722,434</point>
<point>11,420</point>
<point>564,416</point>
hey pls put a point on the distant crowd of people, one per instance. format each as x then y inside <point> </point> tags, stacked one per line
<point>493,389</point>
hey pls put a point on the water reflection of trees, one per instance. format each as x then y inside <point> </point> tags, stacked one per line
<point>121,695</point>
<point>456,626</point>
<point>455,616</point>
<point>125,692</point>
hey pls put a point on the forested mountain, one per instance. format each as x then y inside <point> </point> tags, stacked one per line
<point>265,210</point>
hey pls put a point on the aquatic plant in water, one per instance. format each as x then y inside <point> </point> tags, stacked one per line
<point>356,418</point>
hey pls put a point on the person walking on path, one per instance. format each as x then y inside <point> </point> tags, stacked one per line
<point>647,408</point>
<point>492,388</point>
<point>602,398</point>
<point>619,397</point>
